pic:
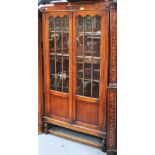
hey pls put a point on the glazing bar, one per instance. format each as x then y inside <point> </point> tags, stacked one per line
<point>55,52</point>
<point>92,56</point>
<point>83,53</point>
<point>62,52</point>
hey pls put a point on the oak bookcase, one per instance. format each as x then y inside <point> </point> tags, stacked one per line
<point>78,69</point>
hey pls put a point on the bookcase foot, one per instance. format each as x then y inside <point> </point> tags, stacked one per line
<point>46,128</point>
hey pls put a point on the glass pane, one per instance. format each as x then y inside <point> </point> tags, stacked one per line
<point>58,24</point>
<point>79,87</point>
<point>88,24</point>
<point>66,53</point>
<point>58,64</point>
<point>52,65</point>
<point>66,40</point>
<point>79,78</point>
<point>59,53</point>
<point>97,36</point>
<point>97,24</point>
<point>96,89</point>
<point>59,72</point>
<point>66,66</point>
<point>80,36</point>
<point>51,34</point>
<point>51,24</point>
<point>66,85</point>
<point>87,88</point>
<point>65,21</point>
<point>59,39</point>
<point>79,70</point>
<point>96,71</point>
<point>88,34</point>
<point>87,71</point>
<point>59,84</point>
<point>52,81</point>
<point>88,40</point>
<point>51,40</point>
<point>65,24</point>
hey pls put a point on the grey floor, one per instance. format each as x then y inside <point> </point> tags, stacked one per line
<point>53,145</point>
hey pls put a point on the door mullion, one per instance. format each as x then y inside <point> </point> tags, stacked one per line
<point>71,67</point>
<point>74,62</point>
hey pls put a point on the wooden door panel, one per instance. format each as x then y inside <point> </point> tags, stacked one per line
<point>90,48</point>
<point>87,112</point>
<point>59,106</point>
<point>57,69</point>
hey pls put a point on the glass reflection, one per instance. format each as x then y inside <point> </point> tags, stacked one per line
<point>59,49</point>
<point>88,35</point>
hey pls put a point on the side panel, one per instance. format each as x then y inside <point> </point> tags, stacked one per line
<point>40,76</point>
<point>111,127</point>
<point>113,46</point>
<point>112,88</point>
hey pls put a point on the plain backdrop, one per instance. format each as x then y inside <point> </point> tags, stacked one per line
<point>19,77</point>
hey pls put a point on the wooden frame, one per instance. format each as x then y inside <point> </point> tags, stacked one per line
<point>108,73</point>
<point>103,64</point>
<point>46,60</point>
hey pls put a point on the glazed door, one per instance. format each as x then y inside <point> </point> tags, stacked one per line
<point>90,46</point>
<point>75,67</point>
<point>58,65</point>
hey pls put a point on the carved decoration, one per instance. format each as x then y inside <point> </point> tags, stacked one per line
<point>111,129</point>
<point>111,109</point>
<point>113,47</point>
